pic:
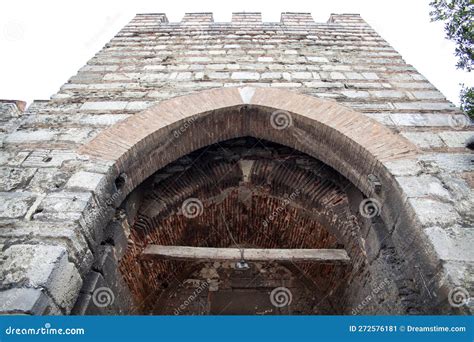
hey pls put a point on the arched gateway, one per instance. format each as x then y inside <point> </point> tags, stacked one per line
<point>260,168</point>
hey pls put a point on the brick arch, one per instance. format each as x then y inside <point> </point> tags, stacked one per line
<point>354,145</point>
<point>348,141</point>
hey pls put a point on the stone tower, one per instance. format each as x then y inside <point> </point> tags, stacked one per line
<point>288,135</point>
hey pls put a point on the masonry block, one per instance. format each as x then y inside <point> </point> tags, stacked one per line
<point>26,301</point>
<point>15,204</point>
<point>43,267</point>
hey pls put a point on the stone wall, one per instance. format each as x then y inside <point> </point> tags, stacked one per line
<point>48,244</point>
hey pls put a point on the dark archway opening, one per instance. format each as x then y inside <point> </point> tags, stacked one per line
<point>251,193</point>
<point>244,192</point>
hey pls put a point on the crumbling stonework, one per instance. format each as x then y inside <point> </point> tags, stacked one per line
<point>159,91</point>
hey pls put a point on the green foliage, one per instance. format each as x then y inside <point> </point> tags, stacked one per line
<point>467,100</point>
<point>458,16</point>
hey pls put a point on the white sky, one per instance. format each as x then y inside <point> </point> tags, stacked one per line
<point>44,43</point>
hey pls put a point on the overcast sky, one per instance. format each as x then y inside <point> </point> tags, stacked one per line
<point>43,43</point>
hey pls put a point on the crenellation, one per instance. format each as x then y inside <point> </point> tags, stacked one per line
<point>296,18</point>
<point>246,18</point>
<point>11,108</point>
<point>347,19</point>
<point>197,18</point>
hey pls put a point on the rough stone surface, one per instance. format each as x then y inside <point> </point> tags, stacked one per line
<point>43,267</point>
<point>84,180</point>
<point>62,200</point>
<point>424,186</point>
<point>431,212</point>
<point>26,301</point>
<point>15,204</point>
<point>451,242</point>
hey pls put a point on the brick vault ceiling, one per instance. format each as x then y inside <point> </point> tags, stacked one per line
<point>243,192</point>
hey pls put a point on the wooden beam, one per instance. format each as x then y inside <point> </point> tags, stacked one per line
<point>333,256</point>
